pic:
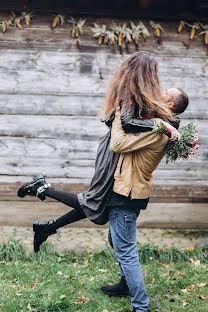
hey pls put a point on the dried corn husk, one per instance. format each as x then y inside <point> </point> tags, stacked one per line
<point>77,26</point>
<point>17,22</point>
<point>157,27</point>
<point>110,37</point>
<point>205,33</point>
<point>27,17</point>
<point>58,20</point>
<point>194,27</point>
<point>100,32</point>
<point>136,32</point>
<point>121,32</point>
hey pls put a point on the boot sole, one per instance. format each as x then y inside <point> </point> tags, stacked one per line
<point>124,294</point>
<point>38,243</point>
<point>21,189</point>
<point>35,226</point>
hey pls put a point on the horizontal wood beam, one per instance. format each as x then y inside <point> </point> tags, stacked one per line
<point>160,193</point>
<point>161,14</point>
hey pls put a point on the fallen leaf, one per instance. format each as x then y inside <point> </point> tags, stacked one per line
<point>75,265</point>
<point>191,249</point>
<point>82,299</point>
<point>202,297</point>
<point>184,303</point>
<point>59,273</point>
<point>92,278</point>
<point>195,262</point>
<point>102,270</point>
<point>18,294</point>
<point>32,286</point>
<point>62,296</point>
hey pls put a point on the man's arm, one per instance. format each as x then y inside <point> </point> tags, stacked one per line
<point>122,142</point>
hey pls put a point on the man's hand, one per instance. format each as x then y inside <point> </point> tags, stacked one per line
<point>175,135</point>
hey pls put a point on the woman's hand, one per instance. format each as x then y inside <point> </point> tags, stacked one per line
<point>174,134</point>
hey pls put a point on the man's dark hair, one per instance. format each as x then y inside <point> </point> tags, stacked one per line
<point>181,102</point>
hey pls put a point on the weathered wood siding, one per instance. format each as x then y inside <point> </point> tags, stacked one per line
<point>51,93</point>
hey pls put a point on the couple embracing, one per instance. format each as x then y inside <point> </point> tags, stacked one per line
<point>126,157</point>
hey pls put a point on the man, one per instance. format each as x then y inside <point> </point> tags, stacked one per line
<point>140,155</point>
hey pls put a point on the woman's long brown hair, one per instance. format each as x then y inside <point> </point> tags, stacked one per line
<point>137,80</point>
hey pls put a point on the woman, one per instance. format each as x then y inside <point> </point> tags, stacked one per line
<point>135,87</point>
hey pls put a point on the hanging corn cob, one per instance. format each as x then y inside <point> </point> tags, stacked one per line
<point>121,33</point>
<point>181,26</point>
<point>5,24</point>
<point>157,27</point>
<point>110,38</point>
<point>205,33</point>
<point>193,29</point>
<point>100,33</point>
<point>27,17</point>
<point>58,20</point>
<point>136,32</point>
<point>16,20</point>
<point>77,26</point>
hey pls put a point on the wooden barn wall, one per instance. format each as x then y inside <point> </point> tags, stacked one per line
<point>51,93</point>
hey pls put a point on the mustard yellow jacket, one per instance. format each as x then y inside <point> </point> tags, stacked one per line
<point>140,155</point>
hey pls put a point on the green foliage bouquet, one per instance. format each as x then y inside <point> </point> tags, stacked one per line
<point>184,148</point>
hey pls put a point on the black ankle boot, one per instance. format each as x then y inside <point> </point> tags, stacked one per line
<point>119,289</point>
<point>42,231</point>
<point>34,188</point>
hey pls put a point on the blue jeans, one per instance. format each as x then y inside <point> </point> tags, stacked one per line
<point>122,238</point>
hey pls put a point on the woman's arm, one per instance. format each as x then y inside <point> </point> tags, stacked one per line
<point>135,125</point>
<point>132,124</point>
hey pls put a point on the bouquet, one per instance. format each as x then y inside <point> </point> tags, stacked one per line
<point>184,148</point>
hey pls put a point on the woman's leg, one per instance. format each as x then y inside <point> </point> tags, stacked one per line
<point>44,229</point>
<point>69,199</point>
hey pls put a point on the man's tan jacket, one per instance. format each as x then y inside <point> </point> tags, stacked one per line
<point>140,155</point>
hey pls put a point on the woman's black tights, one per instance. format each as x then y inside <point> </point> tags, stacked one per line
<point>69,199</point>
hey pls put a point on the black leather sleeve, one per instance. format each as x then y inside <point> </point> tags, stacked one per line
<point>132,124</point>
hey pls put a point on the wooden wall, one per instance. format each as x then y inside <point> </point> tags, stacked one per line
<point>51,93</point>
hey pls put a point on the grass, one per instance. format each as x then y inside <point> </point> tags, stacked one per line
<point>48,282</point>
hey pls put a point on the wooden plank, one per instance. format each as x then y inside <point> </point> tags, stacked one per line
<point>67,148</point>
<point>81,180</point>
<point>67,126</point>
<point>75,104</point>
<point>53,127</point>
<point>160,193</point>
<point>38,35</point>
<point>63,82</point>
<point>29,60</point>
<point>84,168</point>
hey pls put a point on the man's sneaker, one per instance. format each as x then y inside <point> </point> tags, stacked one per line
<point>42,231</point>
<point>34,188</point>
<point>119,289</point>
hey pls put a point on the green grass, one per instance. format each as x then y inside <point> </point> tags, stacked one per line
<point>50,282</point>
